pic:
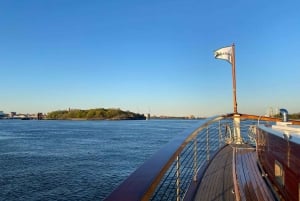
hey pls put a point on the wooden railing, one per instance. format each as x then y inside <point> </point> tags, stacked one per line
<point>174,172</point>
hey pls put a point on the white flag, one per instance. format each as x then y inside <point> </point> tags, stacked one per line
<point>224,53</point>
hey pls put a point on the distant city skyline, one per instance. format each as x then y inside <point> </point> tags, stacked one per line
<point>149,57</point>
<point>269,112</point>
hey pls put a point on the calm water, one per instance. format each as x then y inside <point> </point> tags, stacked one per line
<point>76,160</point>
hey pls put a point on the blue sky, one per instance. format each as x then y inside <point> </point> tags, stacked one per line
<point>148,56</point>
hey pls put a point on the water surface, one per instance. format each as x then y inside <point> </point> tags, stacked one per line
<point>76,160</point>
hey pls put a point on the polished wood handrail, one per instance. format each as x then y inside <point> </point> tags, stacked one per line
<point>265,118</point>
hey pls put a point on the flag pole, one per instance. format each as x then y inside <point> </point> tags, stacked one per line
<point>234,80</point>
<point>236,117</point>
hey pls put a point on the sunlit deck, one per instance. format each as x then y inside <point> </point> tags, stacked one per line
<point>251,184</point>
<point>217,182</point>
<point>234,175</point>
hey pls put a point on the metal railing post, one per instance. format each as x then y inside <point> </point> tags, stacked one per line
<point>207,144</point>
<point>220,134</point>
<point>177,178</point>
<point>195,159</point>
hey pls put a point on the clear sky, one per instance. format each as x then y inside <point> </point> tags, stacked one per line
<point>149,56</point>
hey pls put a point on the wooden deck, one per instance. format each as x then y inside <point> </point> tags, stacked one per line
<point>217,182</point>
<point>228,173</point>
<point>250,181</point>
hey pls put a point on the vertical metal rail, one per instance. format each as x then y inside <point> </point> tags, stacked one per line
<point>289,154</point>
<point>207,144</point>
<point>195,159</point>
<point>220,135</point>
<point>177,178</point>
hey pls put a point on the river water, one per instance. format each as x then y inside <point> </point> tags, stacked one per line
<point>76,160</point>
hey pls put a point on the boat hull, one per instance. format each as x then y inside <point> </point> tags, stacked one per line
<point>280,159</point>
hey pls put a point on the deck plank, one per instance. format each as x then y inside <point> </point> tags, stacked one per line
<point>217,182</point>
<point>260,182</point>
<point>252,187</point>
<point>249,182</point>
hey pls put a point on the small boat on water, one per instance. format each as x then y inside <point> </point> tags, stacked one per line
<point>227,157</point>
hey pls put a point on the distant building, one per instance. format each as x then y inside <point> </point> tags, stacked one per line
<point>40,116</point>
<point>191,117</point>
<point>20,116</point>
<point>12,114</point>
<point>2,115</point>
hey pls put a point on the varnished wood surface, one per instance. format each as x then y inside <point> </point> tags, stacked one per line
<point>251,184</point>
<point>217,182</point>
<point>272,149</point>
<point>264,118</point>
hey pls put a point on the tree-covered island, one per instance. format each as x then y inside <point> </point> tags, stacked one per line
<point>94,114</point>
